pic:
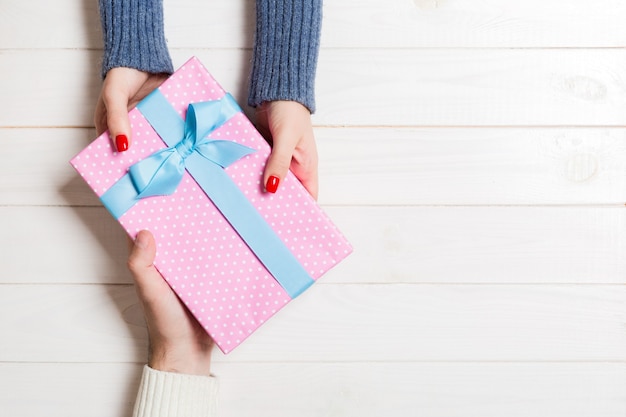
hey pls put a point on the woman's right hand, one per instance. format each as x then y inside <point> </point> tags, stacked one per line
<point>122,89</point>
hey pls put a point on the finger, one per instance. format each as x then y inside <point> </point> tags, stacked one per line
<point>140,263</point>
<point>309,179</point>
<point>142,255</point>
<point>119,88</point>
<point>262,123</point>
<point>304,165</point>
<point>99,118</point>
<point>117,120</point>
<point>279,160</point>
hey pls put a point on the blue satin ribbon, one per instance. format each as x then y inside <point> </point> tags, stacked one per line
<point>190,148</point>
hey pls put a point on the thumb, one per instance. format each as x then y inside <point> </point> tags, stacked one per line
<point>118,123</point>
<point>278,162</point>
<point>142,253</point>
<point>140,264</point>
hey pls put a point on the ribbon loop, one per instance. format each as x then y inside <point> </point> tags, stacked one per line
<point>158,174</point>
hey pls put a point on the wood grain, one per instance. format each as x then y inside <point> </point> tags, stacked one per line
<point>347,24</point>
<point>338,323</point>
<point>381,166</point>
<point>473,152</point>
<point>364,87</point>
<point>513,245</point>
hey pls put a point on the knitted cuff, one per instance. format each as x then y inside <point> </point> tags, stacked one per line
<point>133,36</point>
<point>167,394</point>
<point>285,51</point>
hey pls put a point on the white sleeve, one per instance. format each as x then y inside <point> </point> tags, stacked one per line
<point>167,394</point>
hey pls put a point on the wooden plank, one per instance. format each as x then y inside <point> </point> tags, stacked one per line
<point>365,389</point>
<point>391,87</point>
<point>472,166</point>
<point>94,323</point>
<point>382,166</point>
<point>68,390</point>
<point>392,245</point>
<point>82,245</point>
<point>436,390</point>
<point>483,87</point>
<point>39,24</point>
<point>72,78</point>
<point>458,23</point>
<point>37,172</point>
<point>347,24</point>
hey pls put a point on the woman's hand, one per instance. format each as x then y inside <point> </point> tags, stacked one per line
<point>177,341</point>
<point>286,125</point>
<point>122,89</point>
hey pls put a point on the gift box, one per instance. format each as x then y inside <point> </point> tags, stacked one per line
<point>233,253</point>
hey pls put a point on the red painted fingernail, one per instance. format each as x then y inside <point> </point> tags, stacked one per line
<point>272,184</point>
<point>121,141</point>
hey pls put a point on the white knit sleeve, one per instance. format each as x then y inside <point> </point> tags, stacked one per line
<point>167,394</point>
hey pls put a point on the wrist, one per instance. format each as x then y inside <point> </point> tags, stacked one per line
<point>182,360</point>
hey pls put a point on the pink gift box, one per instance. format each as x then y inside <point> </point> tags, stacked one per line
<point>224,269</point>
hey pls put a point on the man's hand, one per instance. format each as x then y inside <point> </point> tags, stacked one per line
<point>177,341</point>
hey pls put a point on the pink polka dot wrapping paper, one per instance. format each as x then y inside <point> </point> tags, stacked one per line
<point>201,256</point>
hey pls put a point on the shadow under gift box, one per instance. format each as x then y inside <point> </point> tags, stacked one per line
<point>233,253</point>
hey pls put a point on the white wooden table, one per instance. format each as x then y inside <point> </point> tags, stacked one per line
<point>474,152</point>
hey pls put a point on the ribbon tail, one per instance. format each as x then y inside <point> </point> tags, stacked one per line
<point>251,226</point>
<point>120,197</point>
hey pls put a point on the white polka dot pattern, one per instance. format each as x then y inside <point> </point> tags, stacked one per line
<point>202,258</point>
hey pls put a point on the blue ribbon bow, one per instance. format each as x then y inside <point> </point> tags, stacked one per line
<point>190,149</point>
<point>160,173</point>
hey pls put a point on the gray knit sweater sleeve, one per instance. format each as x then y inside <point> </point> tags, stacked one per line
<point>285,52</point>
<point>133,36</point>
<point>284,56</point>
